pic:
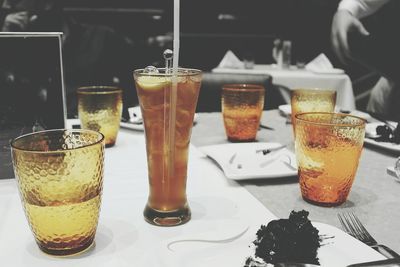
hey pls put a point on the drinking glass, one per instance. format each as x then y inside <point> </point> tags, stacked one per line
<point>100,109</point>
<point>311,100</point>
<point>60,180</point>
<point>167,147</point>
<point>328,148</point>
<point>242,106</point>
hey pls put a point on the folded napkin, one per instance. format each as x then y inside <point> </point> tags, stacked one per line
<point>231,61</point>
<point>320,63</point>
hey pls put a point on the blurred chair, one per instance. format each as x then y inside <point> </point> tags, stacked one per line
<point>362,87</point>
<point>210,92</point>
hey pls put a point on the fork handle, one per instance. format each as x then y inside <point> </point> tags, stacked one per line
<point>387,251</point>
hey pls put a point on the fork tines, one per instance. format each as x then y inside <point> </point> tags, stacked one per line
<point>353,226</point>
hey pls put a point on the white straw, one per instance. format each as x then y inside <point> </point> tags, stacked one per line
<point>173,94</point>
<point>176,37</point>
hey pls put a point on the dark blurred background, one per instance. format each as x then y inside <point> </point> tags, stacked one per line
<point>105,40</point>
<point>210,27</point>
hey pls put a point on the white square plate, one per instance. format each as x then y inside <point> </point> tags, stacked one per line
<point>240,161</point>
<point>338,251</point>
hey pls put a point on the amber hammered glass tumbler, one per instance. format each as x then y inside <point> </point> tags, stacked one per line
<point>242,106</point>
<point>328,148</point>
<point>60,180</point>
<point>168,114</point>
<point>311,100</point>
<point>100,109</point>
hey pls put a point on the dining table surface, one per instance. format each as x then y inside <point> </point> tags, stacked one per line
<point>374,197</point>
<point>226,213</point>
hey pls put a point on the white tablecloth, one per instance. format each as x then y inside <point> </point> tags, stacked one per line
<point>301,78</point>
<point>221,209</point>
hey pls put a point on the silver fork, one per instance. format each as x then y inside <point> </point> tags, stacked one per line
<point>353,226</point>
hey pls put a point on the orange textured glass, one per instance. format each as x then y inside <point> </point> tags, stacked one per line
<point>60,179</point>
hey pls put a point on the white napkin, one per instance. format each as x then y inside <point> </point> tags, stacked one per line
<point>231,61</point>
<point>135,114</point>
<point>320,63</point>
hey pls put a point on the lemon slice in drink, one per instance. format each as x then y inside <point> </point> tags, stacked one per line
<point>151,82</point>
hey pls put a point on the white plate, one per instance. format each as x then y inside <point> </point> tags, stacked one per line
<point>240,161</point>
<point>339,251</point>
<point>328,71</point>
<point>75,123</point>
<point>370,131</point>
<point>286,110</point>
<point>132,126</point>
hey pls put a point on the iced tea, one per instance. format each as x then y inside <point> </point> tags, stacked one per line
<point>242,106</point>
<point>311,100</point>
<point>328,148</point>
<point>167,203</point>
<point>60,179</point>
<point>100,109</point>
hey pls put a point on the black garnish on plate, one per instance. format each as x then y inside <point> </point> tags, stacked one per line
<point>386,134</point>
<point>287,240</point>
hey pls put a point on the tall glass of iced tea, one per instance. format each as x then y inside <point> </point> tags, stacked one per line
<point>328,148</point>
<point>167,155</point>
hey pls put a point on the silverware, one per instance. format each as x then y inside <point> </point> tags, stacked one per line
<point>353,226</point>
<point>266,127</point>
<point>386,262</point>
<point>269,150</point>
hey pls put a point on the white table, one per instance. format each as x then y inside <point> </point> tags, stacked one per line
<point>220,208</point>
<point>302,78</point>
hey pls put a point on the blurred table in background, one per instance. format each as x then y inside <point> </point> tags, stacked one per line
<point>374,195</point>
<point>301,78</point>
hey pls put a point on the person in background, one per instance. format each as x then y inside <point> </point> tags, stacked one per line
<point>375,46</point>
<point>92,54</point>
<point>97,55</point>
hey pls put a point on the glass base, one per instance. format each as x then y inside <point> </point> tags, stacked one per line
<point>167,218</point>
<point>324,204</point>
<point>235,140</point>
<point>110,144</point>
<point>68,252</point>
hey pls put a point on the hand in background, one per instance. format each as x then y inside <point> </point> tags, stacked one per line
<point>343,22</point>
